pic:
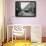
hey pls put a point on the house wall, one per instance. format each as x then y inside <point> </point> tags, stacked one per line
<point>40,18</point>
<point>1,20</point>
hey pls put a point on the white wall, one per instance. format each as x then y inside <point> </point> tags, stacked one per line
<point>1,16</point>
<point>39,19</point>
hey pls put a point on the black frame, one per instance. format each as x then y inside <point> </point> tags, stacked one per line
<point>25,1</point>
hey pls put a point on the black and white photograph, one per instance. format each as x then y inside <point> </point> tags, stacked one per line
<point>25,8</point>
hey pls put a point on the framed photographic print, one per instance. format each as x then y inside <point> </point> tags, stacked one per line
<point>25,8</point>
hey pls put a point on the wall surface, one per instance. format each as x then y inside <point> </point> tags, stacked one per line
<point>40,18</point>
<point>1,19</point>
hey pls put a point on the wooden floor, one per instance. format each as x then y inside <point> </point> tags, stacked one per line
<point>23,43</point>
<point>18,43</point>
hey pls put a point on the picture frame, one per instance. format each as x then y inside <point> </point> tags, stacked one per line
<point>25,8</point>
